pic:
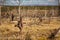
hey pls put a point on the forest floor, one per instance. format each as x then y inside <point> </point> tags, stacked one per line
<point>34,32</point>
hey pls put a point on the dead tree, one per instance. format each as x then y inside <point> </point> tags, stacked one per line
<point>12,17</point>
<point>40,18</point>
<point>0,15</point>
<point>53,34</point>
<point>49,15</point>
<point>19,24</point>
<point>7,15</point>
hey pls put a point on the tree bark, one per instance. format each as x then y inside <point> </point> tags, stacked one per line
<point>0,15</point>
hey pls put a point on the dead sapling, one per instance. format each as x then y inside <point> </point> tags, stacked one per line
<point>12,17</point>
<point>53,34</point>
<point>19,24</point>
<point>40,19</point>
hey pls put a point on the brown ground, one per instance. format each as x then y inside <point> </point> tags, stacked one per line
<point>33,32</point>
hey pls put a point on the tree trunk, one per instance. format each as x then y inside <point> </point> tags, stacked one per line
<point>0,15</point>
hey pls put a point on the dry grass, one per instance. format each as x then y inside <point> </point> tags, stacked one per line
<point>34,32</point>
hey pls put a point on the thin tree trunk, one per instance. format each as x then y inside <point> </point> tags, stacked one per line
<point>0,15</point>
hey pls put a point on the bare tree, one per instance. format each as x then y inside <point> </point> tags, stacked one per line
<point>0,14</point>
<point>19,24</point>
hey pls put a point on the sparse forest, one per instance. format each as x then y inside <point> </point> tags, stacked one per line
<point>30,23</point>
